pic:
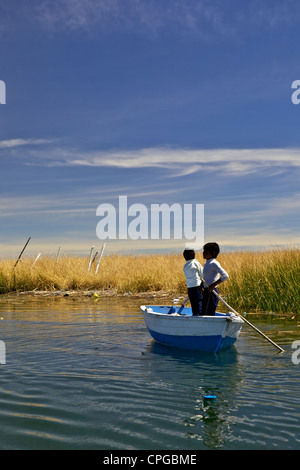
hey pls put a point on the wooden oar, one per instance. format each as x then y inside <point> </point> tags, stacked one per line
<point>244,319</point>
<point>183,304</point>
<point>172,309</point>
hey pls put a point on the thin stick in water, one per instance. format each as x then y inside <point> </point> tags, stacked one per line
<point>22,252</point>
<point>36,259</point>
<point>58,255</point>
<point>90,261</point>
<point>100,256</point>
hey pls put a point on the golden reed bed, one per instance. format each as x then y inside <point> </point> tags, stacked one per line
<point>258,281</point>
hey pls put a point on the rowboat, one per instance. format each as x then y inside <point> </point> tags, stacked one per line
<point>177,327</point>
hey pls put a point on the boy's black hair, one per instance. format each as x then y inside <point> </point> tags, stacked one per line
<point>189,254</point>
<point>213,248</point>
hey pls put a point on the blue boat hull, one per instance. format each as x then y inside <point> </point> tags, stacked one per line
<point>212,343</point>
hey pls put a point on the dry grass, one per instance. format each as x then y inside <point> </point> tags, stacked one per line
<point>267,281</point>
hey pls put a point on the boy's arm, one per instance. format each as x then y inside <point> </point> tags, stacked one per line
<point>223,276</point>
<point>200,269</point>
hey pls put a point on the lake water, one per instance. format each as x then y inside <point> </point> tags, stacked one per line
<point>85,374</point>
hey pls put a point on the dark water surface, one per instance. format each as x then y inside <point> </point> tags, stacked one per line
<point>81,374</point>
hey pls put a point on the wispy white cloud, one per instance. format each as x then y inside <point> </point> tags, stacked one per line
<point>67,203</point>
<point>183,161</point>
<point>205,18</point>
<point>240,222</point>
<point>254,239</point>
<point>76,14</point>
<point>255,209</point>
<point>149,15</point>
<point>240,218</point>
<point>12,143</point>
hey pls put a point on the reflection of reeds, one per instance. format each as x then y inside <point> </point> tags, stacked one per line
<point>266,281</point>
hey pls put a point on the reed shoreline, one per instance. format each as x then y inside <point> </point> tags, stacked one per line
<point>142,298</point>
<point>258,281</point>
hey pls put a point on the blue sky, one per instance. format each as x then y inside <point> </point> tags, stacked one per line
<point>163,101</point>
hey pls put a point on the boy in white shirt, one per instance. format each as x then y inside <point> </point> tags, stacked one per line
<point>193,272</point>
<point>213,274</point>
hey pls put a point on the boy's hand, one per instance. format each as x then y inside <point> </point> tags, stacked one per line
<point>215,284</point>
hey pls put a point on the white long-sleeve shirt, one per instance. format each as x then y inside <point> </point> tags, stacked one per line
<point>212,271</point>
<point>193,272</point>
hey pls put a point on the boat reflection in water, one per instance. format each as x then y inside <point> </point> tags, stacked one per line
<point>194,375</point>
